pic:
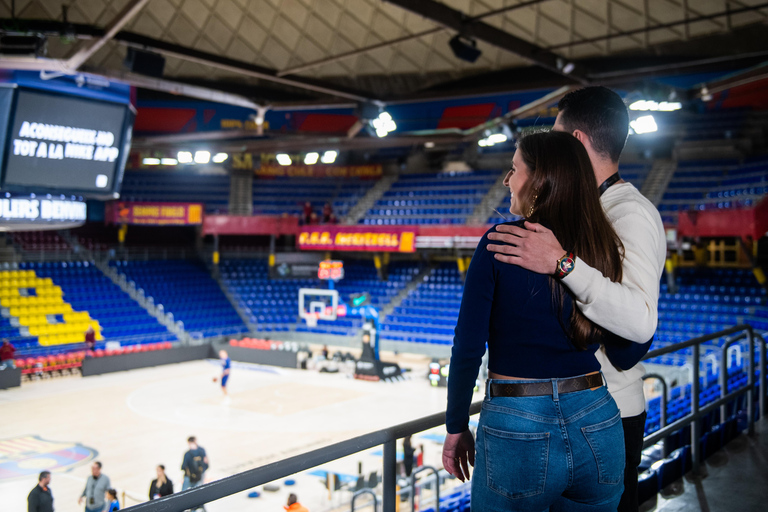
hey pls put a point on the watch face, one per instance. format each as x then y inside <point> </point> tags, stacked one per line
<point>566,265</point>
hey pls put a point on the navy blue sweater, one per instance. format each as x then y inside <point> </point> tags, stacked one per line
<point>516,313</point>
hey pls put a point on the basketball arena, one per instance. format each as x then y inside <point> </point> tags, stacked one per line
<point>251,222</point>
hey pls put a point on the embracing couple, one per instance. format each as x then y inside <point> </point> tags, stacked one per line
<point>566,301</point>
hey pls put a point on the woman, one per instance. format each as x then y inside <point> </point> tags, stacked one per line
<point>550,435</point>
<point>160,486</point>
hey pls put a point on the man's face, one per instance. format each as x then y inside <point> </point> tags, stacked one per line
<point>45,481</point>
<point>95,470</point>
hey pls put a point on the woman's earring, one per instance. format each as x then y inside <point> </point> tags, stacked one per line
<point>533,202</point>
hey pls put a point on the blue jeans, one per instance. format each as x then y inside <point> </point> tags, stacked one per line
<point>189,485</point>
<point>562,453</point>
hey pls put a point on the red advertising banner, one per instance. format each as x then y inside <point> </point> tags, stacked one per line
<point>357,238</point>
<point>155,214</point>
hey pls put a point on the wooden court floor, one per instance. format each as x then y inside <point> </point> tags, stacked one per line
<point>132,421</point>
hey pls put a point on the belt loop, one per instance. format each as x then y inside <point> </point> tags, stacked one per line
<point>488,390</point>
<point>555,394</point>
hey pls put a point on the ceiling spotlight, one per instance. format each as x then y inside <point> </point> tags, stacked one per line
<point>169,161</point>
<point>202,157</point>
<point>283,159</point>
<point>151,161</point>
<point>464,48</point>
<point>429,145</point>
<point>329,157</point>
<point>497,138</point>
<point>644,124</point>
<point>311,158</point>
<point>184,157</point>
<point>220,157</point>
<point>384,124</point>
<point>664,106</point>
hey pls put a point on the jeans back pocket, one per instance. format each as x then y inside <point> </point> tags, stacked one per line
<point>516,463</point>
<point>607,442</point>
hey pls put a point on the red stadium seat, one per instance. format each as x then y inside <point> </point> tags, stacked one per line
<point>99,353</point>
<point>167,345</point>
<point>232,343</point>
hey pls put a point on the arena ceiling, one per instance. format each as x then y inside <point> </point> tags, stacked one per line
<point>350,50</point>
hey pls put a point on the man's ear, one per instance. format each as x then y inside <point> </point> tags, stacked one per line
<point>581,136</point>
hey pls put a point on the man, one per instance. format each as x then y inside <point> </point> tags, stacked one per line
<point>294,505</point>
<point>7,353</point>
<point>598,118</point>
<point>95,489</point>
<point>40,498</point>
<point>194,465</point>
<point>90,338</point>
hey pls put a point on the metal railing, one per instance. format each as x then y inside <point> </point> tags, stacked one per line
<point>741,332</point>
<point>196,497</point>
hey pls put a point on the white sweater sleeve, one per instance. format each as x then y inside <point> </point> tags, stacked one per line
<point>629,308</point>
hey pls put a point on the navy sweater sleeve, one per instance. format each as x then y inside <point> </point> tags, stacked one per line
<point>470,337</point>
<point>622,353</point>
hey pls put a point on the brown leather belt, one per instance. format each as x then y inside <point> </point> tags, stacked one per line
<point>515,389</point>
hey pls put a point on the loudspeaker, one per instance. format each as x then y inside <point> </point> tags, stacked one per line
<point>145,63</point>
<point>464,48</point>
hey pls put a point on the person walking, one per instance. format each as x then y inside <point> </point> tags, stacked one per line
<point>95,489</point>
<point>160,486</point>
<point>194,465</point>
<point>550,434</point>
<point>408,455</point>
<point>40,498</point>
<point>628,308</point>
<point>294,505</point>
<point>7,354</point>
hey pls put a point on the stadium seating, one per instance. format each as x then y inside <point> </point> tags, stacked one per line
<point>40,241</point>
<point>88,290</point>
<point>273,304</point>
<point>39,308</point>
<point>152,186</point>
<point>429,313</point>
<point>633,173</point>
<point>270,196</point>
<point>185,289</point>
<point>445,198</point>
<point>279,196</point>
<point>714,184</point>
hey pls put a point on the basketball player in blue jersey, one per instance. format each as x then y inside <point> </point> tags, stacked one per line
<point>226,365</point>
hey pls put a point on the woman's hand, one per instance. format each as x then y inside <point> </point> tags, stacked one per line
<point>459,454</point>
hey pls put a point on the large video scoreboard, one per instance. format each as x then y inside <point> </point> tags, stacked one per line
<point>57,143</point>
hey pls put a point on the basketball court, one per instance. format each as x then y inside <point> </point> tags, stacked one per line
<point>132,421</point>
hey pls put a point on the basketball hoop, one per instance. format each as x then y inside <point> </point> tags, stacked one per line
<point>311,319</point>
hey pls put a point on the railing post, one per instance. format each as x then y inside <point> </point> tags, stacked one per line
<point>389,477</point>
<point>723,378</point>
<point>360,493</point>
<point>761,402</point>
<point>751,383</point>
<point>695,425</point>
<point>437,487</point>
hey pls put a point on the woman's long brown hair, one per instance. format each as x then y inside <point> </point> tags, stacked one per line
<point>565,198</point>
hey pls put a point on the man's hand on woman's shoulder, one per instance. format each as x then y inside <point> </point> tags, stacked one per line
<point>535,248</point>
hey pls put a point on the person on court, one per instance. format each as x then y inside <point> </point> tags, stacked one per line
<point>598,118</point>
<point>226,366</point>
<point>40,498</point>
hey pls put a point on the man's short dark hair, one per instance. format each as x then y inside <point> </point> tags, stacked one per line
<point>43,474</point>
<point>192,439</point>
<point>292,499</point>
<point>601,114</point>
<point>98,464</point>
